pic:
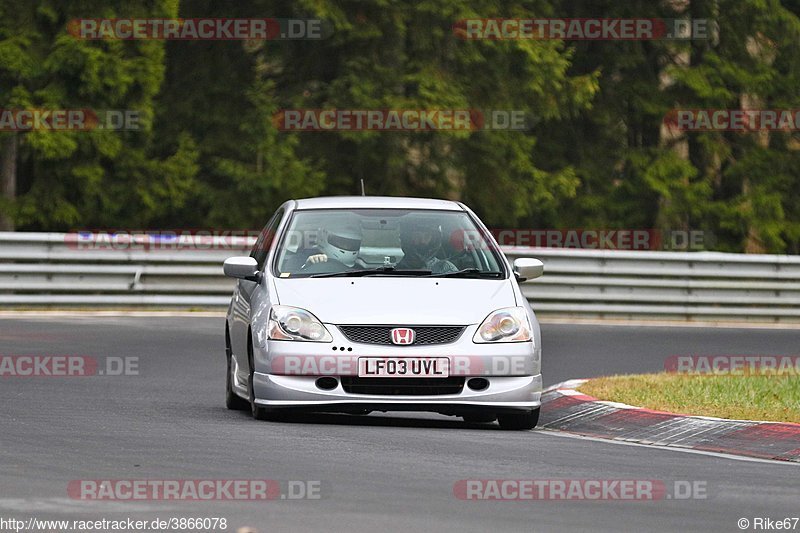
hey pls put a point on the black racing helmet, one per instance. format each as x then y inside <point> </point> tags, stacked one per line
<point>420,238</point>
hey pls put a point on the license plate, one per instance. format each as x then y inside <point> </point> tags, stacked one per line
<point>403,367</point>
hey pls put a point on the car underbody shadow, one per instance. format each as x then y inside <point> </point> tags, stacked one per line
<point>411,419</point>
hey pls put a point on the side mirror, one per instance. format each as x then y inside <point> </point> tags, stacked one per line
<point>526,268</point>
<point>242,267</point>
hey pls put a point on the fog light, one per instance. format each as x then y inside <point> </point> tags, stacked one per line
<point>327,383</point>
<point>478,383</point>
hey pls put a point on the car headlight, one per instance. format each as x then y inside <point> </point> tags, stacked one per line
<point>509,324</point>
<point>294,324</point>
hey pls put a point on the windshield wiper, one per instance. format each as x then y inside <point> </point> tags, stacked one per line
<point>469,273</point>
<point>387,270</point>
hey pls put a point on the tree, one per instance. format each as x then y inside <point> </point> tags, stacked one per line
<point>99,177</point>
<point>405,55</point>
<point>219,94</point>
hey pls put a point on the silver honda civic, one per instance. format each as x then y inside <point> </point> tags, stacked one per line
<point>360,304</point>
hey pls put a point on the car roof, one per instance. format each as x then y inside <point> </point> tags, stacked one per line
<point>376,202</point>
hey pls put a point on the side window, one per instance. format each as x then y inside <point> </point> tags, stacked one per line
<point>262,245</point>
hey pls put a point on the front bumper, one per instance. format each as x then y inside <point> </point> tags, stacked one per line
<point>286,374</point>
<point>506,393</point>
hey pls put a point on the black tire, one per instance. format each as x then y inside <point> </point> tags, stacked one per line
<point>258,412</point>
<point>479,418</point>
<point>519,421</point>
<point>232,400</point>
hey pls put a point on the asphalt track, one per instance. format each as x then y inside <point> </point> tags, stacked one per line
<point>378,473</point>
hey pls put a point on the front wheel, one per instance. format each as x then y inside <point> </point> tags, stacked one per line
<point>232,400</point>
<point>519,421</point>
<point>258,412</point>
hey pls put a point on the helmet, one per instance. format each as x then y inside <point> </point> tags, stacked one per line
<point>420,239</point>
<point>341,244</point>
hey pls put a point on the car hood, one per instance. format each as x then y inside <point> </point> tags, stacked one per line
<point>387,300</point>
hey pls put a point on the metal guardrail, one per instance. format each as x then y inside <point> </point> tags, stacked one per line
<point>54,270</point>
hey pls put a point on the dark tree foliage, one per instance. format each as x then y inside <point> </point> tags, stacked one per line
<point>595,151</point>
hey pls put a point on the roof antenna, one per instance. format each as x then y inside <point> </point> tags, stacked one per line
<point>362,188</point>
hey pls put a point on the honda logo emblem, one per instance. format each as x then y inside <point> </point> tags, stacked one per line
<point>402,336</point>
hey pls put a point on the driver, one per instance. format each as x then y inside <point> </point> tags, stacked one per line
<point>336,250</point>
<point>420,240</point>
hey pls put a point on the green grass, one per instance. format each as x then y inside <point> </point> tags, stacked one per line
<point>745,397</point>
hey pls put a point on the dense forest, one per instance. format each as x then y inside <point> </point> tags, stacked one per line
<point>594,151</point>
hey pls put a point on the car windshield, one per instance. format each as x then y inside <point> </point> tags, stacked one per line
<point>386,242</point>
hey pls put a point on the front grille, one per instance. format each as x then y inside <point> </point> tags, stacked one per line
<point>424,335</point>
<point>402,386</point>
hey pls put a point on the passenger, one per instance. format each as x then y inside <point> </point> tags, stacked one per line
<point>421,240</point>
